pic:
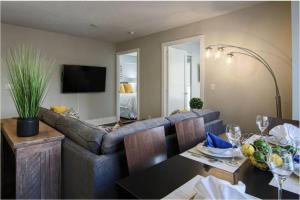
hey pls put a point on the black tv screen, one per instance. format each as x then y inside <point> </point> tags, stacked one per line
<point>76,78</point>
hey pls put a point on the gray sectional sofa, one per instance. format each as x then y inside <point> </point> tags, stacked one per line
<point>94,159</point>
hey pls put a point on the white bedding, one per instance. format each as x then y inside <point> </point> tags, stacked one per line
<point>128,104</point>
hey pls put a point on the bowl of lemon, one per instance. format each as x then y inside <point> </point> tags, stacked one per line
<point>257,153</point>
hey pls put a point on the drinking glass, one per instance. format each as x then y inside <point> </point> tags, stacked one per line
<point>262,122</point>
<point>233,133</point>
<point>281,165</point>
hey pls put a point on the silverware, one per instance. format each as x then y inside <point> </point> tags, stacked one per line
<point>211,158</point>
<point>200,156</point>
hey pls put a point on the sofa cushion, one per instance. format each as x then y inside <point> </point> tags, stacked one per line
<point>207,114</point>
<point>84,134</point>
<point>113,141</point>
<point>180,117</point>
<point>49,117</point>
<point>177,118</point>
<point>216,127</point>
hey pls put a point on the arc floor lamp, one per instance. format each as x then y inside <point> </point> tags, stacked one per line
<point>247,52</point>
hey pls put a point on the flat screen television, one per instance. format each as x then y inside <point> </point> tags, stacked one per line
<point>78,78</point>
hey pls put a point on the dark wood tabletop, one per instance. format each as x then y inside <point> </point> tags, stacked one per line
<point>160,180</point>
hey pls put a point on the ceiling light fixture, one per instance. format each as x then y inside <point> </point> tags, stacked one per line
<point>131,32</point>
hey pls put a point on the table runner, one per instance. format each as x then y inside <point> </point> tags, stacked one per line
<point>221,165</point>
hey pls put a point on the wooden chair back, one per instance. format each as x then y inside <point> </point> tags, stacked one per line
<point>279,121</point>
<point>189,133</point>
<point>145,149</point>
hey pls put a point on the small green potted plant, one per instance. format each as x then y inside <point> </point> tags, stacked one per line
<point>28,76</point>
<point>196,103</point>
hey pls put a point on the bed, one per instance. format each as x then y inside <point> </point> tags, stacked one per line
<point>128,105</point>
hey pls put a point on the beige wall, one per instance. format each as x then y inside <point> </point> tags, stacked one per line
<point>64,49</point>
<point>243,89</point>
<point>296,62</point>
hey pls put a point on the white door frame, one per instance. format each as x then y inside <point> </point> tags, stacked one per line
<point>118,81</point>
<point>164,77</point>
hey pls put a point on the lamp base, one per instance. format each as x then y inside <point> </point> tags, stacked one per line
<point>278,106</point>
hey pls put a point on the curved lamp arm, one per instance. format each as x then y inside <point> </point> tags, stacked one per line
<point>268,68</point>
<point>256,56</point>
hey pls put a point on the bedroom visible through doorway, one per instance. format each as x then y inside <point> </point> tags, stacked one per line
<point>127,96</point>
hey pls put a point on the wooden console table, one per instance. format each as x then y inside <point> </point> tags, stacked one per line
<point>31,166</point>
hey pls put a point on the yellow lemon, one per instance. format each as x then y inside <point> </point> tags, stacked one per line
<point>248,149</point>
<point>276,159</point>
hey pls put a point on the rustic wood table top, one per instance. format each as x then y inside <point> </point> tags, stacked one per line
<point>46,134</point>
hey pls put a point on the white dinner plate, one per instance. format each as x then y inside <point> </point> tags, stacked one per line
<point>205,150</point>
<point>216,150</point>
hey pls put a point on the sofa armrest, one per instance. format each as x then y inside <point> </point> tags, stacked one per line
<point>77,170</point>
<point>87,175</point>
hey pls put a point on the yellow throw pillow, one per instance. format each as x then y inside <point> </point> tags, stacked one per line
<point>184,110</point>
<point>128,88</point>
<point>59,109</point>
<point>122,89</point>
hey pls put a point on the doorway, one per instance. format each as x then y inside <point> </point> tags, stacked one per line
<point>183,70</point>
<point>127,101</point>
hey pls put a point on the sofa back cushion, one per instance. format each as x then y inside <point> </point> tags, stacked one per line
<point>49,117</point>
<point>177,118</point>
<point>113,141</point>
<point>216,127</point>
<point>84,134</point>
<point>207,114</point>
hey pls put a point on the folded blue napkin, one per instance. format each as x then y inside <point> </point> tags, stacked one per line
<point>296,158</point>
<point>216,142</point>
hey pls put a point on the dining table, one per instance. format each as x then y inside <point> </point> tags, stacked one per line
<point>161,179</point>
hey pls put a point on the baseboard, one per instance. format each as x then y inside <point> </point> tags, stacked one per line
<point>101,121</point>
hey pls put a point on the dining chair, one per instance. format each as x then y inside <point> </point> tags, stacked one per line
<point>145,149</point>
<point>279,121</point>
<point>189,133</point>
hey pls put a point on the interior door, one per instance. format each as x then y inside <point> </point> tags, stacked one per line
<point>176,79</point>
<point>187,81</point>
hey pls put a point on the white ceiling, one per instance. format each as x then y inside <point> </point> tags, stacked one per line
<point>113,19</point>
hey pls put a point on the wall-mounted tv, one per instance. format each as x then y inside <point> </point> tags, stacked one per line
<point>78,78</point>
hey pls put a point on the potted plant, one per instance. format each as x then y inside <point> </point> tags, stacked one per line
<point>196,103</point>
<point>28,76</point>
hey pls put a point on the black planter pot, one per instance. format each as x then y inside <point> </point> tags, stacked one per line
<point>27,127</point>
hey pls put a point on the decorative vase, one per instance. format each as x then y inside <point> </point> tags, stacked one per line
<point>27,127</point>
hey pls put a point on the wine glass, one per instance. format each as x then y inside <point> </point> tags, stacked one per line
<point>294,141</point>
<point>233,133</point>
<point>262,122</point>
<point>281,165</point>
